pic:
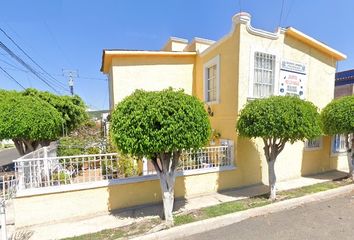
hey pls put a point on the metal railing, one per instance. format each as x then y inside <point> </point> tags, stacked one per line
<point>208,157</point>
<point>8,185</point>
<point>56,171</point>
<point>43,152</point>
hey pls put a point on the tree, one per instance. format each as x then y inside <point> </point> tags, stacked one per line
<point>27,121</point>
<point>72,108</point>
<point>278,120</point>
<point>338,118</point>
<point>159,125</point>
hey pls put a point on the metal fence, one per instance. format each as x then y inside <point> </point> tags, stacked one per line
<point>43,152</point>
<point>8,185</point>
<point>55,171</point>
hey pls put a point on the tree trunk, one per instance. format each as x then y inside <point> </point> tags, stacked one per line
<point>167,191</point>
<point>25,146</point>
<point>350,155</point>
<point>166,171</point>
<point>19,146</point>
<point>272,148</point>
<point>272,180</point>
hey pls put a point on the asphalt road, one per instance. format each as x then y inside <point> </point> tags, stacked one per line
<point>326,220</point>
<point>6,157</point>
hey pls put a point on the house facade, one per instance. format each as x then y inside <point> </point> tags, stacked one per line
<point>247,63</point>
<point>344,84</point>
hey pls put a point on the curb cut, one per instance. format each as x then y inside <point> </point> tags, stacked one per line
<point>228,219</point>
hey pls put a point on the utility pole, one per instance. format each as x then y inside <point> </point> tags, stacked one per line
<point>71,74</point>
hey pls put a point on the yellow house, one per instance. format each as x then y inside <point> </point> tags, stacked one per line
<point>246,63</point>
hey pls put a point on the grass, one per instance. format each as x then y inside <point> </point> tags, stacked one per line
<point>221,209</point>
<point>121,232</point>
<point>213,211</point>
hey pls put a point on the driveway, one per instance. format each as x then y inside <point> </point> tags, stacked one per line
<point>325,220</point>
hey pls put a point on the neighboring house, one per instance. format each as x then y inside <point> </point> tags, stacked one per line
<point>245,64</point>
<point>344,86</point>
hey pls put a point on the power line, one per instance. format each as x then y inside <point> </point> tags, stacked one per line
<point>287,15</point>
<point>24,52</point>
<point>281,12</point>
<point>15,68</point>
<point>12,78</point>
<point>57,43</point>
<point>23,63</point>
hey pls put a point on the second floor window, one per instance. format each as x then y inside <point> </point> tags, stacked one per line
<point>211,83</point>
<point>264,75</point>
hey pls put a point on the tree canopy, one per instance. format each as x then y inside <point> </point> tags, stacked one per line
<point>33,117</point>
<point>159,125</point>
<point>281,117</point>
<point>338,116</point>
<point>278,120</point>
<point>149,123</point>
<point>72,108</point>
<point>27,120</point>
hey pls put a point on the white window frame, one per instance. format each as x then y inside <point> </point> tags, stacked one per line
<point>341,150</point>
<point>251,71</point>
<point>311,148</point>
<point>214,61</point>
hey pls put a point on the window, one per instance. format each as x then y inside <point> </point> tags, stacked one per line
<point>211,80</point>
<point>339,143</point>
<point>264,75</point>
<point>211,83</point>
<point>313,144</point>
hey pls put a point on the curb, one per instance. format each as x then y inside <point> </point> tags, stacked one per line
<point>225,220</point>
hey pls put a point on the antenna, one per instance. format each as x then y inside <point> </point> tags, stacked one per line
<point>71,74</point>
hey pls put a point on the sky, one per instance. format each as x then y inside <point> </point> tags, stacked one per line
<point>67,35</point>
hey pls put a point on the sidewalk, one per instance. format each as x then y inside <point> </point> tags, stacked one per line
<point>75,227</point>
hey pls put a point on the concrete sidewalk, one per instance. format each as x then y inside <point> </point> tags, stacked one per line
<point>75,227</point>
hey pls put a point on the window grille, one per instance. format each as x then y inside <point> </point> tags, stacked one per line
<point>264,75</point>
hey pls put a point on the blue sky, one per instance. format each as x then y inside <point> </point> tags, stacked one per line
<point>71,34</point>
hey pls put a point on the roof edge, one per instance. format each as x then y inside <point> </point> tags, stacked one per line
<point>109,53</point>
<point>315,43</point>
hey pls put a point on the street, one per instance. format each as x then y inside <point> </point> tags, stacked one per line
<point>6,157</point>
<point>330,219</point>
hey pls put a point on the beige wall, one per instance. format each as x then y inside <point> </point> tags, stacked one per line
<point>344,90</point>
<point>151,73</point>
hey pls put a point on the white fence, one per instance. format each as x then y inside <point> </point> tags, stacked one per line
<point>43,152</point>
<point>48,171</point>
<point>8,185</point>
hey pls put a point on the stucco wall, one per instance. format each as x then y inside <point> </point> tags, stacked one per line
<point>294,161</point>
<point>151,73</point>
<point>236,56</point>
<point>55,207</point>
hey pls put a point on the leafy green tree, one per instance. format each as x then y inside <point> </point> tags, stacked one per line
<point>278,120</point>
<point>27,120</point>
<point>72,108</point>
<point>338,118</point>
<point>159,125</point>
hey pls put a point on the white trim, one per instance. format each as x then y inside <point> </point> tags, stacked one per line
<point>214,61</point>
<point>106,183</point>
<point>133,52</point>
<point>277,55</point>
<point>309,149</point>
